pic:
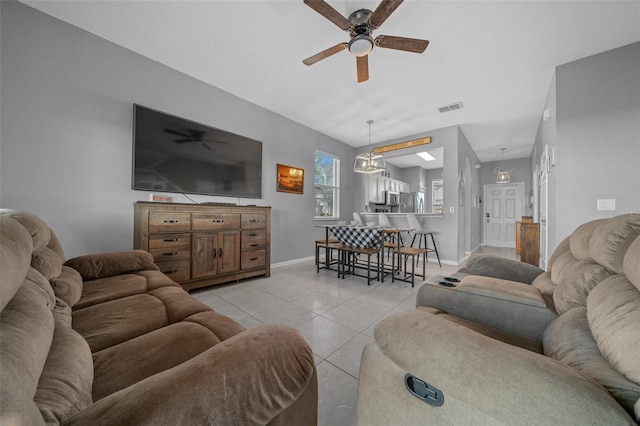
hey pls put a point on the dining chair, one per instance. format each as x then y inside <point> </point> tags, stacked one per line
<point>357,219</point>
<point>422,233</point>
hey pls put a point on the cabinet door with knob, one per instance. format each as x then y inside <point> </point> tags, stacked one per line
<point>215,253</point>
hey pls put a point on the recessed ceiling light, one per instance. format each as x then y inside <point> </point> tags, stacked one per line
<point>426,156</point>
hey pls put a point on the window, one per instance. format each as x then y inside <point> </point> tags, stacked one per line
<point>327,186</point>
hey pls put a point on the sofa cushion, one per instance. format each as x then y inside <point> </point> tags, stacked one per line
<point>498,267</point>
<point>116,321</point>
<point>26,333</point>
<point>568,339</point>
<point>613,310</point>
<point>575,282</point>
<point>148,354</point>
<point>580,238</point>
<point>563,247</point>
<point>631,263</point>
<point>612,238</point>
<point>94,266</point>
<point>65,384</point>
<point>39,231</point>
<point>15,257</point>
<point>68,286</point>
<point>544,284</point>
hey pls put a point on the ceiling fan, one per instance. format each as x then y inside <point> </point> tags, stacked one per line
<point>360,26</point>
<point>192,135</point>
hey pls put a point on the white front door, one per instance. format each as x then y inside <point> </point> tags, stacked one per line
<point>503,207</point>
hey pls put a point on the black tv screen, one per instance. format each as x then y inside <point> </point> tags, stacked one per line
<point>172,154</point>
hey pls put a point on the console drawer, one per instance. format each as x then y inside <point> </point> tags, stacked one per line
<point>215,221</point>
<point>169,222</point>
<point>254,220</point>
<point>253,259</point>
<point>177,270</point>
<point>158,241</point>
<point>253,240</point>
<point>170,253</point>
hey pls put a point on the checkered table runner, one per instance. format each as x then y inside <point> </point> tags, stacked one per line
<point>358,236</point>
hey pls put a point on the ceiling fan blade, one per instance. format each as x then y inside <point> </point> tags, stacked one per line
<point>206,146</point>
<point>362,64</point>
<point>402,43</point>
<point>175,132</point>
<point>324,9</point>
<point>325,54</point>
<point>382,12</point>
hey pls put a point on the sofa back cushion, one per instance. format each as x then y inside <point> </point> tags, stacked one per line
<point>611,240</point>
<point>46,368</point>
<point>15,257</point>
<point>613,310</point>
<point>568,339</point>
<point>597,250</point>
<point>65,386</point>
<point>26,331</point>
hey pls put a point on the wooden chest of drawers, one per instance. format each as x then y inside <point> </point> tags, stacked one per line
<point>201,245</point>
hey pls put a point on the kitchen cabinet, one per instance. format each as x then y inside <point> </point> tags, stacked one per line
<point>377,186</point>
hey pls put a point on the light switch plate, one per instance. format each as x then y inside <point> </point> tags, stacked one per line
<point>606,204</point>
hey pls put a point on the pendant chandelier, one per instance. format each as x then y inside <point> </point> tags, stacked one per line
<point>369,162</point>
<point>502,175</point>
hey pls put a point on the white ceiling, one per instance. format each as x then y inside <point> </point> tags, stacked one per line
<point>496,57</point>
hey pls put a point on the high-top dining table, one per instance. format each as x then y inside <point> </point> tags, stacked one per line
<point>370,239</point>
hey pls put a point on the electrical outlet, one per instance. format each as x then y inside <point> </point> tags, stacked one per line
<point>452,209</point>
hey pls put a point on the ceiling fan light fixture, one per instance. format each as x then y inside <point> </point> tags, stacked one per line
<point>361,45</point>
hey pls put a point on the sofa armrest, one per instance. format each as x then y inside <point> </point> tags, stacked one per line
<point>509,306</point>
<point>250,378</point>
<point>498,267</point>
<point>93,266</point>
<point>483,381</point>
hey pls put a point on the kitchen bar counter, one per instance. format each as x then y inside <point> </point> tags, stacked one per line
<point>399,220</point>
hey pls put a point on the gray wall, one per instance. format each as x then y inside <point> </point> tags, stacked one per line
<point>469,218</point>
<point>595,109</point>
<point>66,132</point>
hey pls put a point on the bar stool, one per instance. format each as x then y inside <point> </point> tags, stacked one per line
<point>407,252</point>
<point>330,246</point>
<point>422,233</point>
<point>390,244</point>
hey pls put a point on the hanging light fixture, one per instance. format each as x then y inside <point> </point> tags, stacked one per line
<point>503,175</point>
<point>369,162</point>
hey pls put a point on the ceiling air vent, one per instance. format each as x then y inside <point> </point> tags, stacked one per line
<point>452,107</point>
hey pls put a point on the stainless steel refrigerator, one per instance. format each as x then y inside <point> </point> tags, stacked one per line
<point>411,202</point>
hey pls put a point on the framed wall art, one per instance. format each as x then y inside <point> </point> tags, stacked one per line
<point>289,179</point>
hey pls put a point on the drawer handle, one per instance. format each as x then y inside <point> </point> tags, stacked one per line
<point>218,220</point>
<point>254,220</point>
<point>170,240</point>
<point>220,255</point>
<point>171,221</point>
<point>170,254</point>
<point>253,258</point>
<point>253,234</point>
<point>171,272</point>
<point>253,245</point>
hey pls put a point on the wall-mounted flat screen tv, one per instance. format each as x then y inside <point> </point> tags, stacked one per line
<point>172,154</point>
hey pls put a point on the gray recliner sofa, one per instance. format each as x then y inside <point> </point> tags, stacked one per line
<point>562,349</point>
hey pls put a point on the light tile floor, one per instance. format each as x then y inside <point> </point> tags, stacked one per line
<point>337,317</point>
